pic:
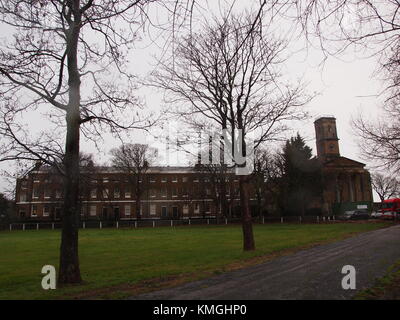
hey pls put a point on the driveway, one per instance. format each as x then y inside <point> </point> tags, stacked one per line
<point>308,274</point>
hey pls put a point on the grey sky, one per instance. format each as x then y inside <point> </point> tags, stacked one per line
<point>346,88</point>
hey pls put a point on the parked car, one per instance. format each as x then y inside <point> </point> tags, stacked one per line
<point>359,215</point>
<point>376,214</point>
<point>347,215</point>
<point>388,215</point>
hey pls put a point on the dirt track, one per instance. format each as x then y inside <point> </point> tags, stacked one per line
<point>308,274</point>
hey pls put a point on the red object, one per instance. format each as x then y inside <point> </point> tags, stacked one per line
<point>390,208</point>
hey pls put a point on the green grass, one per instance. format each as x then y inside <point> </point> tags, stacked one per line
<point>385,288</point>
<point>121,259</point>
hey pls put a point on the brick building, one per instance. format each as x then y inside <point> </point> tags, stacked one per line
<point>166,192</point>
<point>347,184</point>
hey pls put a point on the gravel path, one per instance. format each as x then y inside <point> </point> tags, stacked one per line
<point>308,274</point>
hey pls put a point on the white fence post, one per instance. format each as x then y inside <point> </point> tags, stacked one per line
<point>117,224</point>
<point>263,220</point>
<point>226,221</point>
<point>208,221</point>
<point>37,226</point>
<point>154,224</point>
<point>84,224</point>
<point>23,226</point>
<point>52,226</point>
<point>135,224</point>
<point>189,222</point>
<point>10,226</point>
<point>300,219</point>
<point>172,223</point>
<point>317,219</point>
<point>100,225</point>
<point>281,219</point>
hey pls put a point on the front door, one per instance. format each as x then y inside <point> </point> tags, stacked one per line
<point>175,212</point>
<point>164,212</point>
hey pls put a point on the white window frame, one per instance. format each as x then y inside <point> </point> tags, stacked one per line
<point>153,209</point>
<point>127,210</point>
<point>93,213</point>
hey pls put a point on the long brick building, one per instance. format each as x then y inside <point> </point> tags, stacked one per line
<point>166,192</point>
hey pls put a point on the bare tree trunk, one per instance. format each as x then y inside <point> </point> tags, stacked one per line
<point>69,260</point>
<point>247,226</point>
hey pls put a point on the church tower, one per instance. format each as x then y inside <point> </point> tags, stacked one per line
<point>326,138</point>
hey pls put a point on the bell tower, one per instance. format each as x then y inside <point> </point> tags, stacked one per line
<point>326,138</point>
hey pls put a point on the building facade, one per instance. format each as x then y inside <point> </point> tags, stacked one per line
<point>107,194</point>
<point>347,184</point>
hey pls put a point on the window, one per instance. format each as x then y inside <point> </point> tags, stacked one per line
<point>46,211</point>
<point>152,193</point>
<point>196,208</point>
<point>185,209</point>
<point>208,208</point>
<point>127,210</point>
<point>93,210</point>
<point>208,191</point>
<point>22,197</point>
<point>127,193</point>
<point>93,193</point>
<point>34,210</point>
<point>153,209</point>
<point>105,193</point>
<point>174,179</point>
<point>196,179</point>
<point>184,179</point>
<point>105,179</point>
<point>83,211</point>
<point>116,192</point>
<point>152,179</point>
<point>206,179</point>
<point>164,192</point>
<point>35,193</point>
<point>47,193</point>
<point>58,193</point>
<point>184,192</point>
<point>174,192</point>
<point>164,179</point>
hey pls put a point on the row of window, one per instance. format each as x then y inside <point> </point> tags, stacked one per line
<point>152,179</point>
<point>116,193</point>
<point>91,210</point>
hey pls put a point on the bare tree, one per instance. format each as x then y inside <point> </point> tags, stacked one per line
<point>67,60</point>
<point>228,74</point>
<point>362,24</point>
<point>134,160</point>
<point>385,186</point>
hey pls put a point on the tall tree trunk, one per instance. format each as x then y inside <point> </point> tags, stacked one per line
<point>247,226</point>
<point>69,271</point>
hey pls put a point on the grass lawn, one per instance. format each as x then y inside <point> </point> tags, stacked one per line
<point>118,263</point>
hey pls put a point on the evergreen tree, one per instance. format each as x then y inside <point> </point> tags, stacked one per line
<point>301,181</point>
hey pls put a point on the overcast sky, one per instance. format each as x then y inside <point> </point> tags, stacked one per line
<point>346,87</point>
